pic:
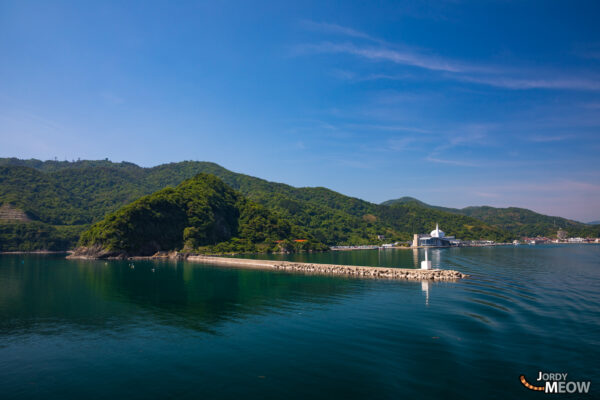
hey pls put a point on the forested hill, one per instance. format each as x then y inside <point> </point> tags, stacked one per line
<point>62,199</point>
<point>200,214</point>
<point>518,221</point>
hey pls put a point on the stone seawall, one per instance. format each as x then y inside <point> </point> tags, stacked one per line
<point>331,269</point>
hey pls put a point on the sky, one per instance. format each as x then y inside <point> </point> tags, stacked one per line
<point>456,103</point>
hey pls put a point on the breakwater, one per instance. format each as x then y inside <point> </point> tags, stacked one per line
<point>332,269</point>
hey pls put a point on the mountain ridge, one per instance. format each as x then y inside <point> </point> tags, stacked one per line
<point>520,221</point>
<point>68,197</point>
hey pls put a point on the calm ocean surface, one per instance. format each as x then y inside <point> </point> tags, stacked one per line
<point>101,330</point>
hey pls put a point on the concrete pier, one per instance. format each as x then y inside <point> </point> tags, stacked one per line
<point>331,269</point>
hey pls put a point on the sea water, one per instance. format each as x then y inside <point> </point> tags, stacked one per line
<point>117,329</point>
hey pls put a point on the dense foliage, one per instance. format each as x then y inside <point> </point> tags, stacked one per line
<point>34,236</point>
<point>412,217</point>
<point>63,194</point>
<point>200,214</point>
<point>517,221</point>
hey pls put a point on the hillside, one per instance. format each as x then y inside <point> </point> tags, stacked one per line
<point>200,214</point>
<point>412,200</point>
<point>69,196</point>
<point>413,217</point>
<point>518,221</point>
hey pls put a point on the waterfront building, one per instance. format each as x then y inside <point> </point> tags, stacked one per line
<point>436,238</point>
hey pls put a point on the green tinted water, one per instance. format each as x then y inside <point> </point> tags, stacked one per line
<point>90,329</point>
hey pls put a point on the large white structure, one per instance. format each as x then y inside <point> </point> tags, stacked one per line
<point>437,233</point>
<point>437,238</point>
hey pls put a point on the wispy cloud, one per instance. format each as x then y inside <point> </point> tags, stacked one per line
<point>592,84</point>
<point>467,135</point>
<point>490,75</point>
<point>401,144</point>
<point>389,128</point>
<point>404,57</point>
<point>352,76</point>
<point>463,136</point>
<point>337,29</point>
<point>549,138</point>
<point>458,163</point>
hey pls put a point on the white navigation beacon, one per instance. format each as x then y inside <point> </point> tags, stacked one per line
<point>426,264</point>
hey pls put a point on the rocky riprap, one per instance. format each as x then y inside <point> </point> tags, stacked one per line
<point>330,269</point>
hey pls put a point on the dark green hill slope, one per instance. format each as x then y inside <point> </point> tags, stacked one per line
<point>413,217</point>
<point>525,222</point>
<point>412,200</point>
<point>517,221</point>
<point>61,193</point>
<point>202,213</point>
<point>40,195</point>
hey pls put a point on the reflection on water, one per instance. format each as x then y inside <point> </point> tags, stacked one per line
<point>196,297</point>
<point>72,329</point>
<point>425,289</point>
<point>394,257</point>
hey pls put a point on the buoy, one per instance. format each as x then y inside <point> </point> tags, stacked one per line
<point>426,264</point>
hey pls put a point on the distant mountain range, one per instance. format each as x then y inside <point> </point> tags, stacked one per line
<point>594,222</point>
<point>519,221</point>
<point>55,201</point>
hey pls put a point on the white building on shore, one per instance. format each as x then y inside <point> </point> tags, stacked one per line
<point>436,238</point>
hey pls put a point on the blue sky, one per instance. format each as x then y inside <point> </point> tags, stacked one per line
<point>455,103</point>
